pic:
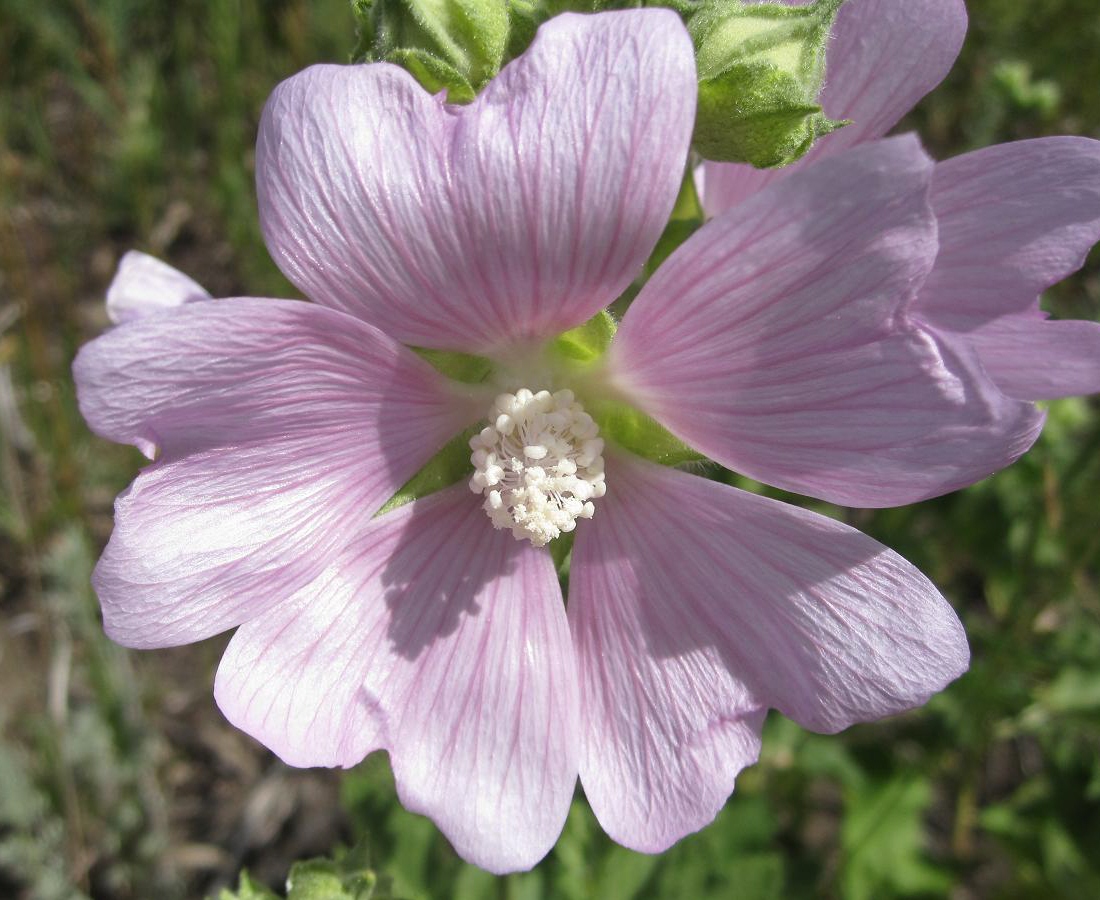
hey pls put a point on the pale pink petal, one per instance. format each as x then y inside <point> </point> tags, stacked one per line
<point>884,56</point>
<point>777,342</point>
<point>295,677</point>
<point>513,218</point>
<point>446,643</point>
<point>1013,220</point>
<point>1035,358</point>
<point>281,427</point>
<point>666,726</point>
<point>693,605</point>
<point>143,284</point>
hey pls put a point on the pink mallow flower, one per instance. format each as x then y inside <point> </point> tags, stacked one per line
<point>778,340</point>
<point>1013,219</point>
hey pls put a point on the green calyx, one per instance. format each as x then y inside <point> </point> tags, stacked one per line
<point>447,45</point>
<point>760,68</point>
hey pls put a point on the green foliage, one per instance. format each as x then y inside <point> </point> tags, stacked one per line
<point>84,766</point>
<point>883,840</point>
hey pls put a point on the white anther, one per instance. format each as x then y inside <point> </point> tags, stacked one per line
<point>539,464</point>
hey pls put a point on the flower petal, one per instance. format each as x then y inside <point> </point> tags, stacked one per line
<point>1015,219</point>
<point>693,605</point>
<point>664,734</point>
<point>143,284</point>
<point>1034,358</point>
<point>884,56</point>
<point>282,428</point>
<point>776,341</point>
<point>445,642</point>
<point>514,218</point>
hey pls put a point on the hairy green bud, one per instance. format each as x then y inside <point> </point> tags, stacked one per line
<point>761,68</point>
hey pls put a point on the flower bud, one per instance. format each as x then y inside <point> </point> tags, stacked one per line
<point>761,67</point>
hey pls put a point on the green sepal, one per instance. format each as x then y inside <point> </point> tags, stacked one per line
<point>687,216</point>
<point>586,343</point>
<point>464,367</point>
<point>760,69</point>
<point>581,349</point>
<point>366,31</point>
<point>633,430</point>
<point>755,113</point>
<point>449,466</point>
<point>524,19</point>
<point>457,45</point>
<point>561,549</point>
<point>434,74</point>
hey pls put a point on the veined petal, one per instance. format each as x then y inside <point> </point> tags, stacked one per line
<point>1034,358</point>
<point>884,56</point>
<point>666,726</point>
<point>281,427</point>
<point>694,605</point>
<point>445,642</point>
<point>512,219</point>
<point>1015,219</point>
<point>143,284</point>
<point>776,341</point>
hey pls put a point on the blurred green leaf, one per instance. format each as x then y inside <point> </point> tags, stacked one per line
<point>883,841</point>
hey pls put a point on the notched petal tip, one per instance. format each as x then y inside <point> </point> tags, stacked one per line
<point>482,230</point>
<point>693,605</point>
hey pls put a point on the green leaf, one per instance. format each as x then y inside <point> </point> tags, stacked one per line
<point>882,838</point>
<point>586,343</point>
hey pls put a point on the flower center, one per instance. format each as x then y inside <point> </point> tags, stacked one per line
<point>538,464</point>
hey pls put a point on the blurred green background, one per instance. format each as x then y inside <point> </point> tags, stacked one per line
<point>130,123</point>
